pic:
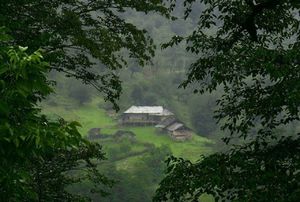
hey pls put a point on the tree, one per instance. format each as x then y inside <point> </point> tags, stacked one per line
<point>73,36</point>
<point>141,95</point>
<point>130,187</point>
<point>80,93</point>
<point>37,154</point>
<point>77,35</point>
<point>137,94</point>
<point>155,161</point>
<point>201,111</point>
<point>251,49</point>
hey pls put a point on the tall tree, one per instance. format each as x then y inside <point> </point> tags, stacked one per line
<point>251,49</point>
<point>77,35</point>
<point>36,153</point>
<point>73,36</point>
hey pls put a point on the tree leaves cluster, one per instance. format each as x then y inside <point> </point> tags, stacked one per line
<point>79,35</point>
<point>256,74</point>
<point>37,153</point>
<point>251,50</point>
<point>250,173</point>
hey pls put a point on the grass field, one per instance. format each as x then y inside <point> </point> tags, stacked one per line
<point>190,149</point>
<point>91,116</point>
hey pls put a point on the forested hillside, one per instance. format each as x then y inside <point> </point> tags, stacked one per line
<point>157,83</point>
<point>129,161</point>
<point>156,100</point>
<point>132,161</point>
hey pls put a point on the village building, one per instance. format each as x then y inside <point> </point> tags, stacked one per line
<point>176,129</point>
<point>162,118</point>
<point>145,115</point>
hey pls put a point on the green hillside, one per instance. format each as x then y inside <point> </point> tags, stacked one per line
<point>131,161</point>
<point>91,116</point>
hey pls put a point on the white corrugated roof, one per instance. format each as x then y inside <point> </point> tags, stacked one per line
<point>145,110</point>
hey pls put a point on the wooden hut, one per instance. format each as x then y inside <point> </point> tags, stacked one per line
<point>176,129</point>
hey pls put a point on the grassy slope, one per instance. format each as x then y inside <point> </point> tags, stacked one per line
<point>189,149</point>
<point>91,116</point>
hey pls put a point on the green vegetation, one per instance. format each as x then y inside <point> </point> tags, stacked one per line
<point>39,154</point>
<point>59,27</point>
<point>36,153</point>
<point>125,155</point>
<point>244,53</point>
<point>91,116</point>
<point>249,49</point>
<point>190,149</point>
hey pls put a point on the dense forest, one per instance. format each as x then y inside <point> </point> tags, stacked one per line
<point>227,70</point>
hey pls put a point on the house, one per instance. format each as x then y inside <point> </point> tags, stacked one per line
<point>176,129</point>
<point>145,115</point>
<point>162,118</point>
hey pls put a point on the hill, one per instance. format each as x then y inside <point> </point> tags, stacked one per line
<point>130,160</point>
<point>91,116</point>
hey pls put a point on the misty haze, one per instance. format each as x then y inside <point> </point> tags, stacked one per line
<point>156,100</point>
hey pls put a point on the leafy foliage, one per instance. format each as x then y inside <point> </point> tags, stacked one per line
<point>257,74</point>
<point>251,173</point>
<point>201,113</point>
<point>80,93</point>
<point>77,35</point>
<point>130,187</point>
<point>36,152</point>
<point>251,49</point>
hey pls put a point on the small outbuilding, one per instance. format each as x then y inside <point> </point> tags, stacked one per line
<point>176,129</point>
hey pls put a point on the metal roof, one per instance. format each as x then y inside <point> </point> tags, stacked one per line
<point>144,110</point>
<point>156,110</point>
<point>175,126</point>
<point>166,122</point>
